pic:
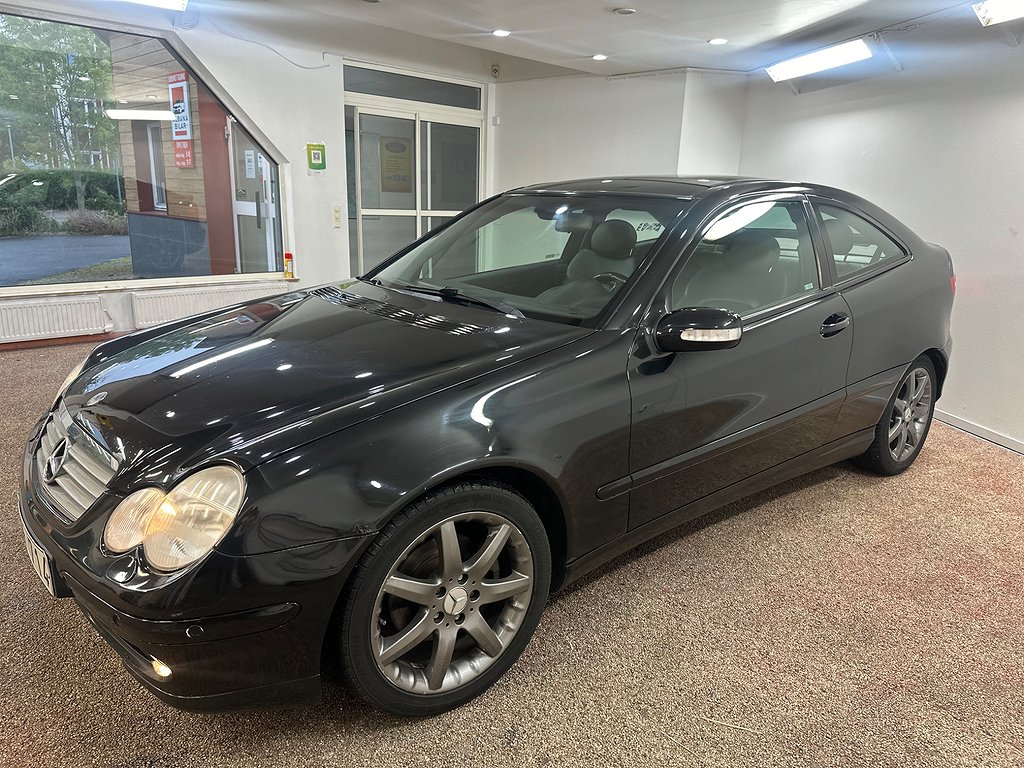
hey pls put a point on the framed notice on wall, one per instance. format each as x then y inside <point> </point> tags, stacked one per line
<point>395,164</point>
<point>181,120</point>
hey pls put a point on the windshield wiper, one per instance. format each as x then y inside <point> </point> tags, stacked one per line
<point>456,296</point>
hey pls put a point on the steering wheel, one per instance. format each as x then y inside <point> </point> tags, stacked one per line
<point>611,281</point>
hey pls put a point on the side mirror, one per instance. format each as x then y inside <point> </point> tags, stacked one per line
<point>698,328</point>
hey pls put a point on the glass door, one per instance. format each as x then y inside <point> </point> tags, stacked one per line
<point>409,172</point>
<point>257,225</point>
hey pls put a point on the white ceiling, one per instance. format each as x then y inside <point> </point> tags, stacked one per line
<point>563,34</point>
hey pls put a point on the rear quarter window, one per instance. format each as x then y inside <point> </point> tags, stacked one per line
<point>855,243</point>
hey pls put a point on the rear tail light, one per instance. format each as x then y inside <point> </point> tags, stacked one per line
<point>952,284</point>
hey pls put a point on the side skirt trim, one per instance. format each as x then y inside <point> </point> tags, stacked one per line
<point>831,453</point>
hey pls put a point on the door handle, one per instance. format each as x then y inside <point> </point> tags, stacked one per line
<point>259,212</point>
<point>834,324</point>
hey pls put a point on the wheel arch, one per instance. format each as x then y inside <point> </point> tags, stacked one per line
<point>538,490</point>
<point>542,497</point>
<point>941,365</point>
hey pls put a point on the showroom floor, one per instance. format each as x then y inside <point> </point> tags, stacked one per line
<point>840,619</point>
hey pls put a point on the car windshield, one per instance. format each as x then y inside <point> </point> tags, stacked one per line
<point>553,258</point>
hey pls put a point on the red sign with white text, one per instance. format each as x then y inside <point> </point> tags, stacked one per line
<point>183,157</point>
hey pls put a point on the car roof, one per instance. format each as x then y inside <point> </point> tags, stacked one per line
<point>719,188</point>
<point>685,187</point>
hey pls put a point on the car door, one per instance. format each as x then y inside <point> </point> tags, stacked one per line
<point>707,419</point>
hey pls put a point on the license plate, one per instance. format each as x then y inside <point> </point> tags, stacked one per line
<point>40,561</point>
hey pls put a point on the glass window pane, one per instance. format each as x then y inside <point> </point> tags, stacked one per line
<point>116,165</point>
<point>752,257</point>
<point>395,86</point>
<point>451,170</point>
<point>552,258</point>
<point>387,162</point>
<point>385,235</point>
<point>855,243</point>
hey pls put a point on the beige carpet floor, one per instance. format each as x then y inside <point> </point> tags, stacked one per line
<point>838,620</point>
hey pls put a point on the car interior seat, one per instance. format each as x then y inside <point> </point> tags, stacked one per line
<point>840,236</point>
<point>611,250</point>
<point>741,277</point>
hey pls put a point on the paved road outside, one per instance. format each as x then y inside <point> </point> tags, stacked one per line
<point>25,259</point>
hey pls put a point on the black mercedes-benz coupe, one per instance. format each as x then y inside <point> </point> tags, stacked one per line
<point>397,470</point>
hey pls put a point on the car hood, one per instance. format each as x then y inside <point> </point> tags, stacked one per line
<point>256,380</point>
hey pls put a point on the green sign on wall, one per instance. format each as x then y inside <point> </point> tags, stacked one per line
<point>316,158</point>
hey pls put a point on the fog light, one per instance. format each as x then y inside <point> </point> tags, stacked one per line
<point>161,669</point>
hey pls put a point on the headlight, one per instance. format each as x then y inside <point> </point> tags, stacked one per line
<point>127,525</point>
<point>178,528</point>
<point>71,377</point>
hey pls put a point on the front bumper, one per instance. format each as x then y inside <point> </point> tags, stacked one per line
<point>235,632</point>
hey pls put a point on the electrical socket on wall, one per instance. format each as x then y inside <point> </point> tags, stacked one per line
<point>336,215</point>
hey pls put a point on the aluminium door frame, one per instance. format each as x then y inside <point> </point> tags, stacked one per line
<point>419,113</point>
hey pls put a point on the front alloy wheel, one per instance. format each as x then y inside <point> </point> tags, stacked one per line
<point>446,599</point>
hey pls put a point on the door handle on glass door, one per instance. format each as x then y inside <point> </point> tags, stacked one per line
<point>834,324</point>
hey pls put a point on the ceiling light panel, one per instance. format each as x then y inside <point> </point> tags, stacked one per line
<point>818,61</point>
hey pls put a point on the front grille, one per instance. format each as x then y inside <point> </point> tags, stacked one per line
<point>85,472</point>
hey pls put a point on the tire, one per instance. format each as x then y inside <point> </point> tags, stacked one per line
<point>462,573</point>
<point>901,432</point>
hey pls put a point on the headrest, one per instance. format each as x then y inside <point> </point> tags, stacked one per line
<point>751,247</point>
<point>840,235</point>
<point>573,221</point>
<point>613,239</point>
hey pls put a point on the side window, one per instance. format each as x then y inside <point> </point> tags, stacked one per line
<point>854,242</point>
<point>752,257</point>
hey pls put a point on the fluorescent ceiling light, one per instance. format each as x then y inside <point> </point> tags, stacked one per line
<point>718,41</point>
<point>997,11</point>
<point>140,114</point>
<point>599,57</point>
<point>501,33</point>
<point>827,58</point>
<point>170,5</point>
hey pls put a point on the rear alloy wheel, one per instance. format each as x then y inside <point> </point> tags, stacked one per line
<point>446,599</point>
<point>904,425</point>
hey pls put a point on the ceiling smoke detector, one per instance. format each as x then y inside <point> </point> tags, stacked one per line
<point>624,11</point>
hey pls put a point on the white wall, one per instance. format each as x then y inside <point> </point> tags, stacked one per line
<point>572,127</point>
<point>942,150</point>
<point>712,129</point>
<point>685,122</point>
